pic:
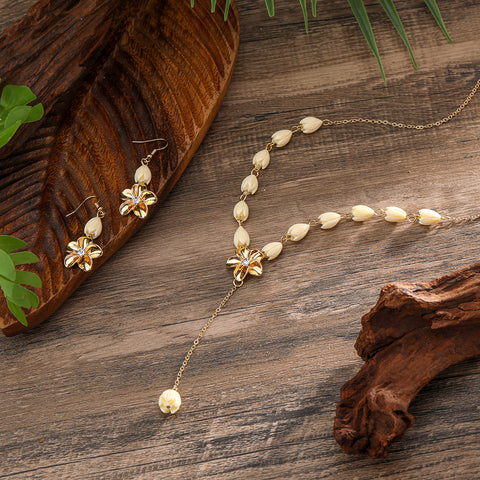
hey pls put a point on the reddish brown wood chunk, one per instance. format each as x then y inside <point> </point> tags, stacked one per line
<point>107,72</point>
<point>413,333</point>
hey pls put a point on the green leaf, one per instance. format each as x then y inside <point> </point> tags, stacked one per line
<point>14,292</point>
<point>227,7</point>
<point>314,8</point>
<point>192,3</point>
<point>21,258</point>
<point>14,95</point>
<point>36,113</point>
<point>8,243</point>
<point>433,7</point>
<point>17,312</point>
<point>270,7</point>
<point>7,267</point>
<point>8,133</point>
<point>214,4</point>
<point>392,13</point>
<point>17,114</point>
<point>303,4</point>
<point>32,298</point>
<point>358,9</point>
<point>28,278</point>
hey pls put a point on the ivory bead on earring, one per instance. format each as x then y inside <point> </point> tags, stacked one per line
<point>428,217</point>
<point>329,220</point>
<point>261,159</point>
<point>93,228</point>
<point>281,138</point>
<point>395,214</point>
<point>241,238</point>
<point>240,211</point>
<point>143,175</point>
<point>249,184</point>
<point>361,213</point>
<point>310,124</point>
<point>272,250</point>
<point>298,231</point>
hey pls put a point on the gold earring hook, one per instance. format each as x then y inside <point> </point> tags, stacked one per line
<point>147,159</point>
<point>100,212</point>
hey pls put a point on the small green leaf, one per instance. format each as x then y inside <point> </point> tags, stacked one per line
<point>21,258</point>
<point>17,312</point>
<point>270,7</point>
<point>192,3</point>
<point>8,133</point>
<point>32,298</point>
<point>303,4</point>
<point>7,267</point>
<point>433,7</point>
<point>392,13</point>
<point>14,292</point>
<point>227,8</point>
<point>14,95</point>
<point>8,243</point>
<point>17,114</point>
<point>314,8</point>
<point>214,4</point>
<point>36,113</point>
<point>28,278</point>
<point>358,9</point>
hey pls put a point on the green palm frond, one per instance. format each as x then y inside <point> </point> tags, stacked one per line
<point>360,13</point>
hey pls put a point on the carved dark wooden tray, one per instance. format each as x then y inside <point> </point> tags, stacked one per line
<point>107,72</point>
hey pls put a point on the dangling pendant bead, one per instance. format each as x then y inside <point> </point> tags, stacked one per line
<point>93,228</point>
<point>143,175</point>
<point>241,238</point>
<point>170,401</point>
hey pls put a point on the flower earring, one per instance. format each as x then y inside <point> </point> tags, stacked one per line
<point>138,198</point>
<point>83,251</point>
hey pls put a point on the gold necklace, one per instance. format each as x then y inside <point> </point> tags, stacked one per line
<point>248,261</point>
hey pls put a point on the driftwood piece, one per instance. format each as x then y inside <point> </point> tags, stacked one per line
<point>107,72</point>
<point>413,333</point>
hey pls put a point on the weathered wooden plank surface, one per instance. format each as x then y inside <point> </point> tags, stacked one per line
<point>78,393</point>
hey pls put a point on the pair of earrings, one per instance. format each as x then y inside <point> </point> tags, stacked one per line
<point>136,200</point>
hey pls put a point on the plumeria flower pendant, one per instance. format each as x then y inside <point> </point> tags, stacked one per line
<point>136,200</point>
<point>81,253</point>
<point>246,261</point>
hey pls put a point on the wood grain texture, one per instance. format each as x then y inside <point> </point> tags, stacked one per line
<point>108,72</point>
<point>79,392</point>
<point>413,333</point>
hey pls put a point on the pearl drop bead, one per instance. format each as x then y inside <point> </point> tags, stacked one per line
<point>241,238</point>
<point>395,214</point>
<point>240,211</point>
<point>272,250</point>
<point>281,138</point>
<point>329,220</point>
<point>143,175</point>
<point>250,184</point>
<point>361,213</point>
<point>261,159</point>
<point>170,401</point>
<point>298,231</point>
<point>428,217</point>
<point>310,124</point>
<point>93,228</point>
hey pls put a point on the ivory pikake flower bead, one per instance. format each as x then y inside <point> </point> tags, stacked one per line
<point>361,213</point>
<point>272,250</point>
<point>241,238</point>
<point>395,214</point>
<point>329,219</point>
<point>170,401</point>
<point>240,211</point>
<point>93,228</point>
<point>310,124</point>
<point>250,184</point>
<point>281,138</point>
<point>261,159</point>
<point>428,217</point>
<point>143,175</point>
<point>298,231</point>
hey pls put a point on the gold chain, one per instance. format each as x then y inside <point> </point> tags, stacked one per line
<point>446,119</point>
<point>203,330</point>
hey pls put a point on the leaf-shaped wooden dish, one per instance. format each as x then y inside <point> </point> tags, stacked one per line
<point>107,72</point>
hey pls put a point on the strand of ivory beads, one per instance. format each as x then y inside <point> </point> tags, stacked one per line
<point>248,261</point>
